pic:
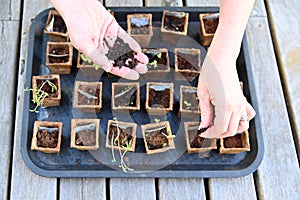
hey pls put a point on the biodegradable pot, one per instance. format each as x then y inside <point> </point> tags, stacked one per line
<point>125,96</point>
<point>88,96</point>
<point>40,82</point>
<point>174,25</point>
<point>87,67</point>
<point>235,144</point>
<point>189,102</point>
<point>207,28</point>
<point>59,57</point>
<point>187,63</point>
<point>159,98</point>
<point>56,28</point>
<point>122,132</point>
<point>159,63</point>
<point>47,136</point>
<point>139,26</point>
<point>158,137</point>
<point>194,142</point>
<point>85,134</point>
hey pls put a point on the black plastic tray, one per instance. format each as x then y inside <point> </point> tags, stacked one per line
<point>174,163</point>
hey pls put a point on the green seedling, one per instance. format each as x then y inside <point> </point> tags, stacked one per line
<point>40,95</point>
<point>87,60</point>
<point>187,104</point>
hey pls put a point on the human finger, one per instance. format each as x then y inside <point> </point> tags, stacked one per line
<point>250,111</point>
<point>141,68</point>
<point>243,126</point>
<point>125,72</point>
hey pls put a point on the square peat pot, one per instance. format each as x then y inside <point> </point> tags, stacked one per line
<point>88,96</point>
<point>158,65</point>
<point>159,98</point>
<point>47,136</point>
<point>235,144</point>
<point>49,84</point>
<point>194,142</point>
<point>187,63</point>
<point>121,135</point>
<point>174,25</point>
<point>56,28</point>
<point>125,96</point>
<point>59,57</point>
<point>85,134</point>
<point>87,67</point>
<point>158,137</point>
<point>208,26</point>
<point>189,102</point>
<point>139,27</point>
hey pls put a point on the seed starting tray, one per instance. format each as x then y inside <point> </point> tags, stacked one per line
<point>173,163</point>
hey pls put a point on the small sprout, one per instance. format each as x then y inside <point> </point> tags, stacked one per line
<point>97,67</point>
<point>131,103</point>
<point>84,58</point>
<point>187,104</point>
<point>153,63</point>
<point>157,120</point>
<point>159,55</point>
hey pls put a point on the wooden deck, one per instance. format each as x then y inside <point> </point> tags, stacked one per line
<point>274,44</point>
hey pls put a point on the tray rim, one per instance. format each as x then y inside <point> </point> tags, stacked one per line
<point>154,174</point>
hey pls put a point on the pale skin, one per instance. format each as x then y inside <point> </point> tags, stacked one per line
<point>89,24</point>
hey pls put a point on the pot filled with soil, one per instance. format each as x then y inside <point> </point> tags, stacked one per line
<point>235,144</point>
<point>46,90</point>
<point>121,135</point>
<point>56,28</point>
<point>174,25</point>
<point>159,98</point>
<point>194,142</point>
<point>85,134</point>
<point>208,26</point>
<point>47,136</point>
<point>158,137</point>
<point>187,63</point>
<point>189,102</point>
<point>88,96</point>
<point>125,96</point>
<point>159,63</point>
<point>139,26</point>
<point>59,57</point>
<point>88,67</point>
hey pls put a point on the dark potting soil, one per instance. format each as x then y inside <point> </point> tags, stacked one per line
<point>159,99</point>
<point>59,50</point>
<point>158,63</point>
<point>47,88</point>
<point>156,140</point>
<point>120,53</point>
<point>210,25</point>
<point>46,139</point>
<point>85,138</point>
<point>93,91</point>
<point>190,101</point>
<point>233,142</point>
<point>124,135</point>
<point>196,141</point>
<point>125,96</point>
<point>59,24</point>
<point>187,61</point>
<point>174,23</point>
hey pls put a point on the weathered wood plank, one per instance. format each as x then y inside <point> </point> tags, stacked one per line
<point>24,183</point>
<point>82,188</point>
<point>278,175</point>
<point>132,188</point>
<point>10,9</point>
<point>163,3</point>
<point>258,8</point>
<point>284,21</point>
<point>192,188</point>
<point>124,3</point>
<point>232,188</point>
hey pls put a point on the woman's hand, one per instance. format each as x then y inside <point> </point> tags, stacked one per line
<point>93,30</point>
<point>224,109</point>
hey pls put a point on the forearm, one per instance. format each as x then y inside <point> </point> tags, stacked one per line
<point>233,19</point>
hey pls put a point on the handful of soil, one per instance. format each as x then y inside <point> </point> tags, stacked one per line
<point>122,55</point>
